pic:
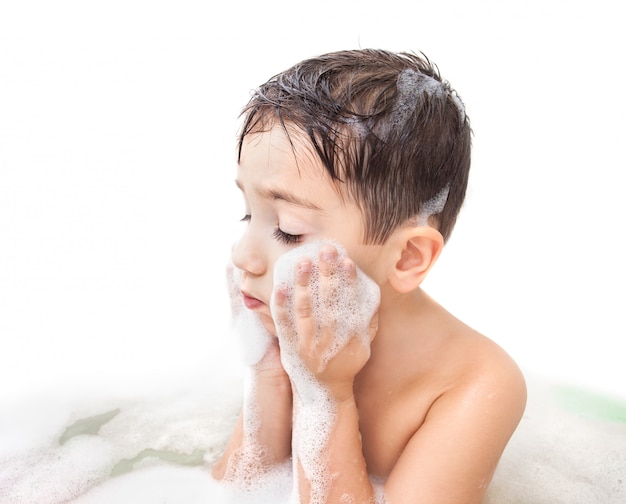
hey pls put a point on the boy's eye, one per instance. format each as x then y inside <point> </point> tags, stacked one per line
<point>287,239</point>
<point>246,218</point>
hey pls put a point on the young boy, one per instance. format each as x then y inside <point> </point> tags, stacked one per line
<point>369,151</point>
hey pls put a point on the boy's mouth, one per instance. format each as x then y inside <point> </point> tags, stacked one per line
<point>251,302</point>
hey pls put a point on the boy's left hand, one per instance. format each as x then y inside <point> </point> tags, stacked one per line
<point>322,323</point>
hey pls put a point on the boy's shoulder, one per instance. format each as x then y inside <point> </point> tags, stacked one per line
<point>481,370</point>
<point>476,385</point>
<point>431,348</point>
<point>440,382</point>
<point>464,361</point>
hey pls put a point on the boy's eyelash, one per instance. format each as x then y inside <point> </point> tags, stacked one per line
<point>279,234</point>
<point>286,238</point>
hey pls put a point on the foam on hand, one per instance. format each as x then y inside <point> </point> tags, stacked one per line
<point>352,304</point>
<point>243,478</point>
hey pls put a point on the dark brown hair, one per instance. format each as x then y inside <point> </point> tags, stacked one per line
<point>384,124</point>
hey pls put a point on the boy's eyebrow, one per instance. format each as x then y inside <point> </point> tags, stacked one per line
<point>275,195</point>
<point>289,198</point>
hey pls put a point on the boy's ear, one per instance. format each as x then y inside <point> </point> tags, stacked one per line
<point>417,250</point>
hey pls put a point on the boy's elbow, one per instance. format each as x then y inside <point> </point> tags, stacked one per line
<point>518,391</point>
<point>219,470</point>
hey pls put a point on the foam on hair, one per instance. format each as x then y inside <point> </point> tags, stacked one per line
<point>411,86</point>
<point>459,105</point>
<point>432,207</point>
<point>352,305</point>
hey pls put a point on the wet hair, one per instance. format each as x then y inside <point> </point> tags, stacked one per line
<point>386,127</point>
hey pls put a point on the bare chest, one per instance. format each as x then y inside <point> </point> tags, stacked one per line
<point>389,414</point>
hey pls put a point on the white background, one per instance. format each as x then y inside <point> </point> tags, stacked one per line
<point>118,208</point>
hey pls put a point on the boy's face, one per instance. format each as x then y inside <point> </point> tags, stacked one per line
<point>289,203</point>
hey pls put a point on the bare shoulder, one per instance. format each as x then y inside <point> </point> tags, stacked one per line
<point>466,362</point>
<point>481,399</point>
<point>485,376</point>
<point>491,374</point>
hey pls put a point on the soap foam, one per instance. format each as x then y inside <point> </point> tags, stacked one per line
<point>555,456</point>
<point>411,86</point>
<point>433,206</point>
<point>352,304</point>
<point>243,476</point>
<point>149,432</point>
<point>561,456</point>
<point>253,338</point>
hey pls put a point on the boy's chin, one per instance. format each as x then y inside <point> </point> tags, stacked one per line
<point>268,323</point>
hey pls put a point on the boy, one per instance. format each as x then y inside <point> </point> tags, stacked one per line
<point>370,150</point>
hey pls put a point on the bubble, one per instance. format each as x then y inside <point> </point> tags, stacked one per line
<point>253,338</point>
<point>432,207</point>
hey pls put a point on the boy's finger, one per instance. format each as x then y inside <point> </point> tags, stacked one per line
<point>282,315</point>
<point>327,257</point>
<point>302,298</point>
<point>348,266</point>
<point>280,304</point>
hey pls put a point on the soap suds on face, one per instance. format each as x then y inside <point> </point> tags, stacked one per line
<point>250,469</point>
<point>253,338</point>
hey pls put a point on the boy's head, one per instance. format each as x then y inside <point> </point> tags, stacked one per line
<point>390,132</point>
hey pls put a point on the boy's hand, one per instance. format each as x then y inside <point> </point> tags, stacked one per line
<point>261,439</point>
<point>325,324</point>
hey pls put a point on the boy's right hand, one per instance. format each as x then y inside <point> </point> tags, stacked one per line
<point>326,319</point>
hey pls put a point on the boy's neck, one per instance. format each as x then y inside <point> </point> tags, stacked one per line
<point>393,303</point>
<point>408,318</point>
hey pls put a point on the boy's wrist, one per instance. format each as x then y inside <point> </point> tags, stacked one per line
<point>341,392</point>
<point>276,378</point>
<point>270,362</point>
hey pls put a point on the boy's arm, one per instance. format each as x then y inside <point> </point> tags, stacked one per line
<point>345,466</point>
<point>262,435</point>
<point>454,453</point>
<point>327,451</point>
<point>450,459</point>
<point>259,443</point>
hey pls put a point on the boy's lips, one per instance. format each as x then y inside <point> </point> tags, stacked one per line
<point>251,302</point>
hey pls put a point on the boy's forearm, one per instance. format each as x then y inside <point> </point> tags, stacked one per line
<point>274,399</point>
<point>262,436</point>
<point>345,471</point>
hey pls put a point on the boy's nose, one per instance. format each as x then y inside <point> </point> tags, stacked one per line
<point>246,255</point>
